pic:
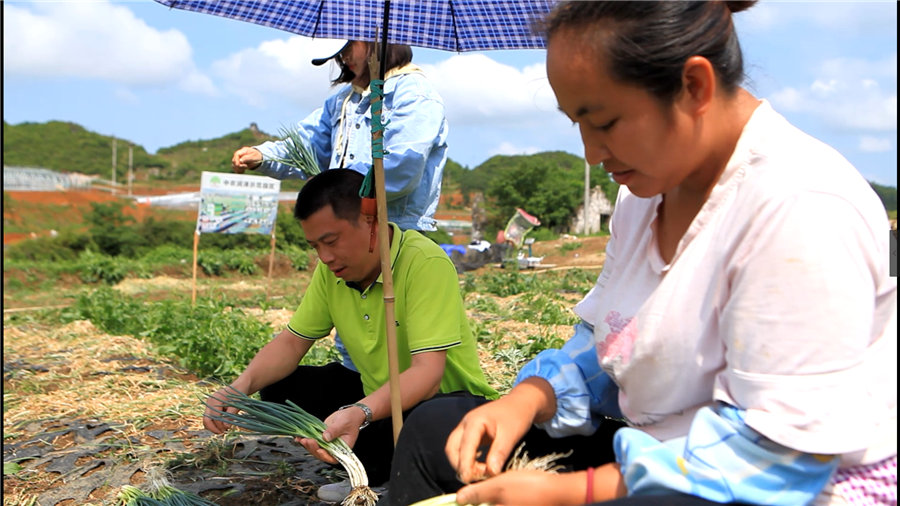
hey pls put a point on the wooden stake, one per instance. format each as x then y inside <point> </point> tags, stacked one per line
<point>271,262</point>
<point>387,278</point>
<point>194,285</point>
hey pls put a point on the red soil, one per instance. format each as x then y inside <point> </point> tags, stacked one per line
<point>77,202</point>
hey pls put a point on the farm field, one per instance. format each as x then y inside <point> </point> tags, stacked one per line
<point>88,409</point>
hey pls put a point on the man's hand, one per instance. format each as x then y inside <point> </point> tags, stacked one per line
<point>315,450</point>
<point>343,423</point>
<point>214,407</point>
<point>246,158</point>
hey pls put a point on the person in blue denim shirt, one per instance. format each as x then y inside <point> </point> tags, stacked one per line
<point>415,136</point>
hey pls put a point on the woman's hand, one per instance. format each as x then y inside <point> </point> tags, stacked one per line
<point>246,158</point>
<point>499,424</point>
<point>530,487</point>
<point>524,488</point>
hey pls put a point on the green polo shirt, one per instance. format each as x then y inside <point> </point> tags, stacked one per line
<point>428,310</point>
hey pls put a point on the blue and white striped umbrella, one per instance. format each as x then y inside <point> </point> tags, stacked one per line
<point>451,25</point>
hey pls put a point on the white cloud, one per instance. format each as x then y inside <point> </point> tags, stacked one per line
<point>790,99</point>
<point>125,96</point>
<point>478,90</point>
<point>197,82</point>
<point>866,70</point>
<point>848,94</point>
<point>93,40</point>
<point>508,148</point>
<point>278,71</point>
<point>838,16</point>
<point>870,144</point>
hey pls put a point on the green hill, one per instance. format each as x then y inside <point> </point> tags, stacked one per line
<point>68,147</point>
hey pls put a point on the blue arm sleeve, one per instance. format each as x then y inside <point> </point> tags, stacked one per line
<point>416,126</point>
<point>722,460</point>
<point>584,392</point>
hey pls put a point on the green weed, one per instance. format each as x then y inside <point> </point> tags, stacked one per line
<point>569,246</point>
<point>485,305</point>
<point>507,282</point>
<point>543,309</point>
<point>210,338</point>
<point>298,256</point>
<point>535,344</point>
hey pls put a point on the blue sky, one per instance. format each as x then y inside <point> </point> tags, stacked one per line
<point>156,77</point>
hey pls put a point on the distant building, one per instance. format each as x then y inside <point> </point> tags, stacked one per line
<point>39,179</point>
<point>599,211</point>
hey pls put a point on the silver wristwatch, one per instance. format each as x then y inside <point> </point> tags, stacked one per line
<point>365,409</point>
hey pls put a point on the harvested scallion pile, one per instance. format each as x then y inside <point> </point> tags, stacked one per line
<point>274,419</point>
<point>299,155</point>
<point>519,461</point>
<point>441,500</point>
<point>160,493</point>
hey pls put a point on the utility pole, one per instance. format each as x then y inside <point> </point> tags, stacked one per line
<point>114,167</point>
<point>130,164</point>
<point>587,193</point>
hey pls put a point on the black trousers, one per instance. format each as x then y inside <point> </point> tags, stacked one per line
<point>321,390</point>
<point>421,470</point>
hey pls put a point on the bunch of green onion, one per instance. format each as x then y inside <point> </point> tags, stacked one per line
<point>274,419</point>
<point>299,154</point>
<point>519,461</point>
<point>441,500</point>
<point>161,493</point>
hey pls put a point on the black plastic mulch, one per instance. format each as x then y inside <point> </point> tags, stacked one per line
<point>94,457</point>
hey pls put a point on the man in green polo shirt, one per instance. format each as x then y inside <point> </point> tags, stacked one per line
<point>437,352</point>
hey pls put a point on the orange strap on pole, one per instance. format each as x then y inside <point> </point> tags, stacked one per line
<point>369,209</point>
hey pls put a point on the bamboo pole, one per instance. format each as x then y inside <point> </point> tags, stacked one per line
<point>114,156</point>
<point>587,196</point>
<point>130,168</point>
<point>194,284</point>
<point>384,242</point>
<point>271,262</point>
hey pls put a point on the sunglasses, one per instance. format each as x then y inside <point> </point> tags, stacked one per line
<point>346,51</point>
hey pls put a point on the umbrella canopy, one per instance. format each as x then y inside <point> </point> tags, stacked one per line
<point>451,25</point>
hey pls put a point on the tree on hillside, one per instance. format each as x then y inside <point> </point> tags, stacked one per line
<point>110,229</point>
<point>539,190</point>
<point>549,185</point>
<point>887,194</point>
<point>454,173</point>
<point>68,147</point>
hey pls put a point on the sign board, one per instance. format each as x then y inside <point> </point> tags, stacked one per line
<point>237,203</point>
